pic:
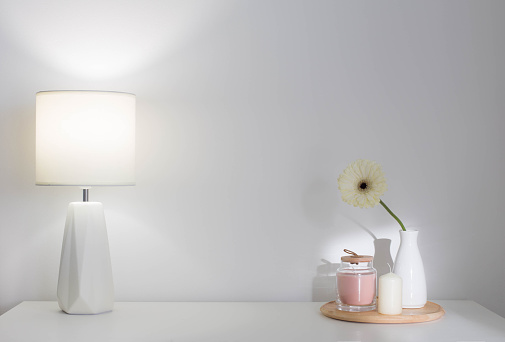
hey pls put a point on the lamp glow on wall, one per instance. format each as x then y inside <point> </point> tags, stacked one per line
<point>85,139</point>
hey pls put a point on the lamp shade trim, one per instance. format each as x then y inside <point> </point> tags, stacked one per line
<point>48,92</point>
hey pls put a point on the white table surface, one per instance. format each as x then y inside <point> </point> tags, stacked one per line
<point>238,321</point>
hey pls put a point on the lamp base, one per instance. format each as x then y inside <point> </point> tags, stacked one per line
<point>85,282</point>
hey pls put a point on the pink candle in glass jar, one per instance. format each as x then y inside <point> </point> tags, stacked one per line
<point>356,288</point>
<point>356,283</point>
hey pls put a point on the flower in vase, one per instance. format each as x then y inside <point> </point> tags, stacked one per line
<point>362,183</point>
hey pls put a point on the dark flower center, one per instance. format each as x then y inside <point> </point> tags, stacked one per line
<point>363,186</point>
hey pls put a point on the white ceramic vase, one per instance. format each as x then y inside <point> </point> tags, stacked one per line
<point>409,266</point>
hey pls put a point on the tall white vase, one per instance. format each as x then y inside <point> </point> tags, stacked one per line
<point>85,282</point>
<point>409,266</point>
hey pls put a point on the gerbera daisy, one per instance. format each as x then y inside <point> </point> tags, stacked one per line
<point>362,184</point>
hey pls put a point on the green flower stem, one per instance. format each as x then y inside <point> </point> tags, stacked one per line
<point>396,217</point>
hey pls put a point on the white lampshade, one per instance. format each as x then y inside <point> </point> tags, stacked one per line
<point>85,138</point>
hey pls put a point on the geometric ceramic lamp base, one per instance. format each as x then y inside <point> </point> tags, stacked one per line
<point>85,282</point>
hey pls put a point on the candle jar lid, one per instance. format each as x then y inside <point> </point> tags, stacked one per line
<point>355,258</point>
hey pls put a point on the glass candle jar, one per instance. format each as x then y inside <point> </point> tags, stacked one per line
<point>356,283</point>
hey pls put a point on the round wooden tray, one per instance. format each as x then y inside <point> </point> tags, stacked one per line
<point>430,312</point>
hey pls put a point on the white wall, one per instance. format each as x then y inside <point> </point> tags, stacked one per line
<point>247,112</point>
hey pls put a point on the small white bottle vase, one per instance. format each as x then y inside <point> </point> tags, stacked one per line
<point>409,266</point>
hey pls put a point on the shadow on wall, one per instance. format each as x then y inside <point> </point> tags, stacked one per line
<point>324,283</point>
<point>382,254</point>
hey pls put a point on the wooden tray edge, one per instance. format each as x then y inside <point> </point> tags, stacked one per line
<point>364,317</point>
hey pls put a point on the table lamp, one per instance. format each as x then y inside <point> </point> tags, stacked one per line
<point>85,139</point>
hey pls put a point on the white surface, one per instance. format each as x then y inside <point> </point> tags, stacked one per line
<point>85,138</point>
<point>213,322</point>
<point>409,266</point>
<point>247,111</point>
<point>85,283</point>
<point>389,301</point>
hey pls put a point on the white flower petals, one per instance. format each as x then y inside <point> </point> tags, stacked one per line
<point>368,173</point>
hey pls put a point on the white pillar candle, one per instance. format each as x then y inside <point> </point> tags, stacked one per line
<point>390,294</point>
